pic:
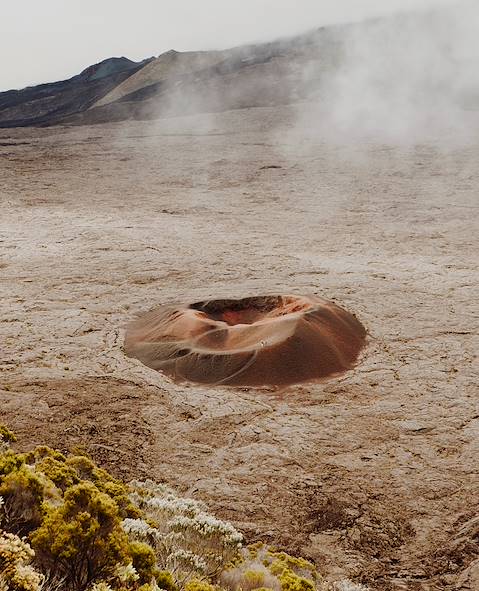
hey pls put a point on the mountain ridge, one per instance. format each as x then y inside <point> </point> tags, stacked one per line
<point>404,57</point>
<point>44,103</point>
<point>118,88</point>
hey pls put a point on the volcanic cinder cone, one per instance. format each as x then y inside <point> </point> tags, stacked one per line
<point>259,341</point>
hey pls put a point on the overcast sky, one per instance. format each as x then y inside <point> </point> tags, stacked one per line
<point>48,40</point>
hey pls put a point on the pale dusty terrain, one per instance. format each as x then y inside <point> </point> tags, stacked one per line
<point>374,474</point>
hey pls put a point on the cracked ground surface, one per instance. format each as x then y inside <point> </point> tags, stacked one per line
<point>374,474</point>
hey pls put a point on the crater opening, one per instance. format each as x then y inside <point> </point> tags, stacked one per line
<point>250,310</point>
<point>276,340</point>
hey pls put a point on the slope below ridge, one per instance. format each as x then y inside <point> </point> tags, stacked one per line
<point>246,76</point>
<point>118,89</point>
<point>167,64</point>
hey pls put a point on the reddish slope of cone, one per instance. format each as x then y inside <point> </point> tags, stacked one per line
<point>261,341</point>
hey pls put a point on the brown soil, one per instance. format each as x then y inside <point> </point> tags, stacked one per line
<point>374,474</point>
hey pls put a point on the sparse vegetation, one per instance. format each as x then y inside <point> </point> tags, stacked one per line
<point>66,524</point>
<point>188,541</point>
<point>262,567</point>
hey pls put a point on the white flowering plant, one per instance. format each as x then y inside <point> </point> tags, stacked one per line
<point>188,541</point>
<point>16,571</point>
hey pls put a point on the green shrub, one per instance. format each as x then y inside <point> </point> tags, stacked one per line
<point>294,574</point>
<point>62,475</point>
<point>196,585</point>
<point>6,435</point>
<point>262,567</point>
<point>253,579</point>
<point>290,581</point>
<point>249,576</point>
<point>23,492</point>
<point>41,452</point>
<point>285,560</point>
<point>87,470</point>
<point>149,587</point>
<point>165,580</point>
<point>81,539</point>
<point>120,494</point>
<point>144,561</point>
<point>84,467</point>
<point>255,549</point>
<point>9,462</point>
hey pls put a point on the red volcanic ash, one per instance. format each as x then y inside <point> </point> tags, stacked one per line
<point>258,341</point>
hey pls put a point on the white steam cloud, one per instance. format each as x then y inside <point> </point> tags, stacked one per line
<point>401,78</point>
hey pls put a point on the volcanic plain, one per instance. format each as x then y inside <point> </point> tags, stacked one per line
<point>373,474</point>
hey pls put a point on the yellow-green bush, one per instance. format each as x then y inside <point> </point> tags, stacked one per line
<point>262,567</point>
<point>41,452</point>
<point>253,579</point>
<point>72,511</point>
<point>249,577</point>
<point>281,562</point>
<point>197,585</point>
<point>144,560</point>
<point>85,469</point>
<point>62,475</point>
<point>120,494</point>
<point>10,461</point>
<point>82,539</point>
<point>6,435</point>
<point>290,581</point>
<point>23,492</point>
<point>148,587</point>
<point>165,580</point>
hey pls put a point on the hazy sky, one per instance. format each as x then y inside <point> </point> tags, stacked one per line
<point>47,40</point>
